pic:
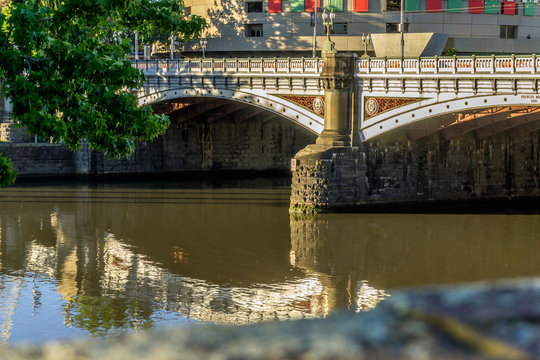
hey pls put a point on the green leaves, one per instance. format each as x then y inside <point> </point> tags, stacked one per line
<point>7,173</point>
<point>66,74</point>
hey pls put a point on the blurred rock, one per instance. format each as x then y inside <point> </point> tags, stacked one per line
<point>481,321</point>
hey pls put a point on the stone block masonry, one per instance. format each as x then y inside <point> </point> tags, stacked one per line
<point>328,178</point>
<point>433,169</point>
<point>39,159</point>
<point>262,143</point>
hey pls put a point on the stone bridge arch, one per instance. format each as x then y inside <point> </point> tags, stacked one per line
<point>288,87</point>
<point>451,95</point>
<point>285,105</point>
<point>485,115</point>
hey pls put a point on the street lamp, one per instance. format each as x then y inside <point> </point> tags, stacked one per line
<point>401,29</point>
<point>172,46</point>
<point>366,40</point>
<point>314,52</point>
<point>329,46</point>
<point>203,43</point>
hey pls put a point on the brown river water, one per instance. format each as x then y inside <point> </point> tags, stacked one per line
<point>104,259</point>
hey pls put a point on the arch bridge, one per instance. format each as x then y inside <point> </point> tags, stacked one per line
<point>417,97</point>
<point>290,88</point>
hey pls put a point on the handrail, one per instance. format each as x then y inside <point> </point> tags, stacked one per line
<point>228,65</point>
<point>500,64</point>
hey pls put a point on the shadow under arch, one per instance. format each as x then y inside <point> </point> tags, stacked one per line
<point>297,114</point>
<point>487,115</point>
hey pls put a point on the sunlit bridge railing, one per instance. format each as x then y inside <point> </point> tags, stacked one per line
<point>504,64</point>
<point>240,65</point>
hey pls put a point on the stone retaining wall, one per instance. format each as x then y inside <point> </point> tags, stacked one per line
<point>262,143</point>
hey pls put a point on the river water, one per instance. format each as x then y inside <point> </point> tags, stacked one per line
<point>103,259</point>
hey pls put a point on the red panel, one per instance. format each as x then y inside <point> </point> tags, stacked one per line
<point>274,6</point>
<point>476,6</point>
<point>433,6</point>
<point>361,5</point>
<point>310,5</point>
<point>509,7</point>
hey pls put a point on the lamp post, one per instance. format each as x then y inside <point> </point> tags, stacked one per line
<point>136,50</point>
<point>401,29</point>
<point>203,43</point>
<point>314,52</point>
<point>366,40</point>
<point>329,46</point>
<point>172,46</point>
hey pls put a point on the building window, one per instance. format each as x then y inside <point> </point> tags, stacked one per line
<point>254,7</point>
<point>393,5</point>
<point>394,27</point>
<point>187,11</point>
<point>339,28</point>
<point>254,30</point>
<point>508,32</point>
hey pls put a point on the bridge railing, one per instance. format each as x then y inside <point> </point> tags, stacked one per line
<point>507,64</point>
<point>227,65</point>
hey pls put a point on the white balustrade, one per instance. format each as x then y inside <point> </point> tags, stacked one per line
<point>210,65</point>
<point>410,65</point>
<point>465,65</point>
<point>508,64</point>
<point>428,65</point>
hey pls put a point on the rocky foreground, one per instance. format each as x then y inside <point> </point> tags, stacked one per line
<point>483,321</point>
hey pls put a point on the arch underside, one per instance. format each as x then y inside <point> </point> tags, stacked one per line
<point>216,103</point>
<point>483,116</point>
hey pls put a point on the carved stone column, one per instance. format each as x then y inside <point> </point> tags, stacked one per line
<point>337,76</point>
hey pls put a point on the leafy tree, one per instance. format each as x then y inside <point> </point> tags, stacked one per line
<point>68,81</point>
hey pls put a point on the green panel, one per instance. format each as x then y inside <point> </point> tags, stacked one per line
<point>529,8</point>
<point>336,5</point>
<point>412,5</point>
<point>297,5</point>
<point>455,5</point>
<point>491,6</point>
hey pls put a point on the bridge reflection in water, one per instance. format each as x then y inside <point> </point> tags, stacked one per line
<point>111,259</point>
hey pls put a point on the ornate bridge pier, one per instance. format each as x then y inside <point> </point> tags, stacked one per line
<point>330,173</point>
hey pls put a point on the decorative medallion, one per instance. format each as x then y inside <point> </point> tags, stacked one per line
<point>374,106</point>
<point>318,105</point>
<point>314,104</point>
<point>168,107</point>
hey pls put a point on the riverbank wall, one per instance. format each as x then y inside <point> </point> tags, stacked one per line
<point>262,144</point>
<point>338,178</point>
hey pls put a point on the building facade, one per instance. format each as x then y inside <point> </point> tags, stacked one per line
<point>260,28</point>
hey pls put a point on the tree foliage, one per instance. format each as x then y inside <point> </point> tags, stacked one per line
<point>67,81</point>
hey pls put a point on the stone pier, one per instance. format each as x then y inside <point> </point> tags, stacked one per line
<point>330,174</point>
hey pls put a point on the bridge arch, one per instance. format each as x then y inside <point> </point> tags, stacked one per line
<point>426,95</point>
<point>454,116</point>
<point>255,97</point>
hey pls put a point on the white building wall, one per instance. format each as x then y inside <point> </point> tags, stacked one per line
<point>291,32</point>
